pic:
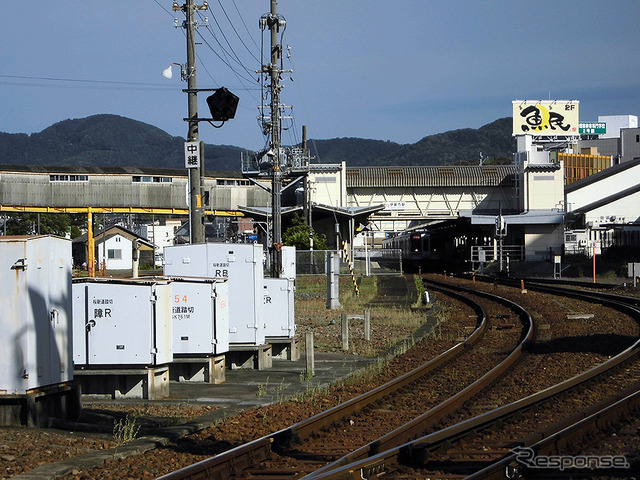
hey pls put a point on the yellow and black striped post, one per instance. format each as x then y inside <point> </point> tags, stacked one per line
<point>353,277</point>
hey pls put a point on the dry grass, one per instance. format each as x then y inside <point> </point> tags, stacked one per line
<point>388,325</point>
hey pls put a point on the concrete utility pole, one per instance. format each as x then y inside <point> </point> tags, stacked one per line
<point>196,217</point>
<point>274,23</point>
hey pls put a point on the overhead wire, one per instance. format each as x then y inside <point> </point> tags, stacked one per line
<point>163,7</point>
<point>226,53</point>
<point>229,52</point>
<point>84,82</point>
<point>236,31</point>
<point>231,55</point>
<point>313,142</point>
<point>243,78</point>
<point>228,56</point>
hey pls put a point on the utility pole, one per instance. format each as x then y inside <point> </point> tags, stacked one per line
<point>196,216</point>
<point>274,23</point>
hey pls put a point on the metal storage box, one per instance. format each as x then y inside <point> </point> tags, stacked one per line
<point>120,322</point>
<point>200,315</point>
<point>242,265</point>
<point>278,308</point>
<point>288,262</point>
<point>35,313</point>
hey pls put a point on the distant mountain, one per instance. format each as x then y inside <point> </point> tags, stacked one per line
<point>111,140</point>
<point>107,141</point>
<point>492,141</point>
<point>355,151</point>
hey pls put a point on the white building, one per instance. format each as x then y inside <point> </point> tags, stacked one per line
<point>160,235</point>
<point>115,249</point>
<point>615,123</point>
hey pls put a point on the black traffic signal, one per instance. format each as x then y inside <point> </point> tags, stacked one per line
<point>222,105</point>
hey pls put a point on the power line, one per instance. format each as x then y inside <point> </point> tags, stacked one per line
<point>236,31</point>
<point>245,27</point>
<point>162,7</point>
<point>231,55</point>
<point>239,75</point>
<point>78,80</point>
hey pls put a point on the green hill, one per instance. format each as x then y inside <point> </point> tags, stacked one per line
<point>111,140</point>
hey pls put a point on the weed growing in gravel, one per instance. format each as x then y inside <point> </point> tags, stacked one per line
<point>420,288</point>
<point>224,418</point>
<point>280,396</point>
<point>306,375</point>
<point>125,430</point>
<point>313,393</point>
<point>262,388</point>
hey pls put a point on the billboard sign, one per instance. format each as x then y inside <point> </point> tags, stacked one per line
<point>545,117</point>
<point>592,128</point>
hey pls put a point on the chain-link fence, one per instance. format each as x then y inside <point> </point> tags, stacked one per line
<point>364,262</point>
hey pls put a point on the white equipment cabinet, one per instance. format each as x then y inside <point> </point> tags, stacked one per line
<point>120,322</point>
<point>289,262</point>
<point>242,266</point>
<point>35,313</point>
<point>200,314</point>
<point>278,308</point>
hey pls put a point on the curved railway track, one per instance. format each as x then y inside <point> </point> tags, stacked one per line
<point>499,443</point>
<point>407,446</point>
<point>395,407</point>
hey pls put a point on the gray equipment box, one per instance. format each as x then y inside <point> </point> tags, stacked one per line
<point>278,308</point>
<point>200,315</point>
<point>242,265</point>
<point>35,313</point>
<point>121,322</point>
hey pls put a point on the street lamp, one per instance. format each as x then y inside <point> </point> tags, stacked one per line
<point>168,72</point>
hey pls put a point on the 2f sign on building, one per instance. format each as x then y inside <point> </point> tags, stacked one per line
<point>191,154</point>
<point>545,117</point>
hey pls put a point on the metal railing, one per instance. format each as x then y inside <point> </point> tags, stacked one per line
<point>482,255</point>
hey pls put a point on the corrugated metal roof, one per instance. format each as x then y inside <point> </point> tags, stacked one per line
<point>438,176</point>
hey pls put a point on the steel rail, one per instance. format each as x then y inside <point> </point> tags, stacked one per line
<point>415,427</point>
<point>416,452</point>
<point>624,403</point>
<point>235,460</point>
<point>546,281</point>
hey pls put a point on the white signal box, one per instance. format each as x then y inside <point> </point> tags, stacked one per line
<point>200,314</point>
<point>122,322</point>
<point>278,308</point>
<point>242,265</point>
<point>35,313</point>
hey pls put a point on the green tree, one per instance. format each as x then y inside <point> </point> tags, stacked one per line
<point>48,224</point>
<point>298,235</point>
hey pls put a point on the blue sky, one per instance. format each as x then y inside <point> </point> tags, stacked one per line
<point>376,69</point>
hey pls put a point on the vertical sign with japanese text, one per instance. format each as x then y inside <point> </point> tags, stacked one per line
<point>191,154</point>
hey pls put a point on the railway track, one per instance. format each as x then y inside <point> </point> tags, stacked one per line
<point>508,441</point>
<point>552,348</point>
<point>395,408</point>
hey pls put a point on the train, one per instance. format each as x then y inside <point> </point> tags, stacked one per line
<point>445,246</point>
<point>416,249</point>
